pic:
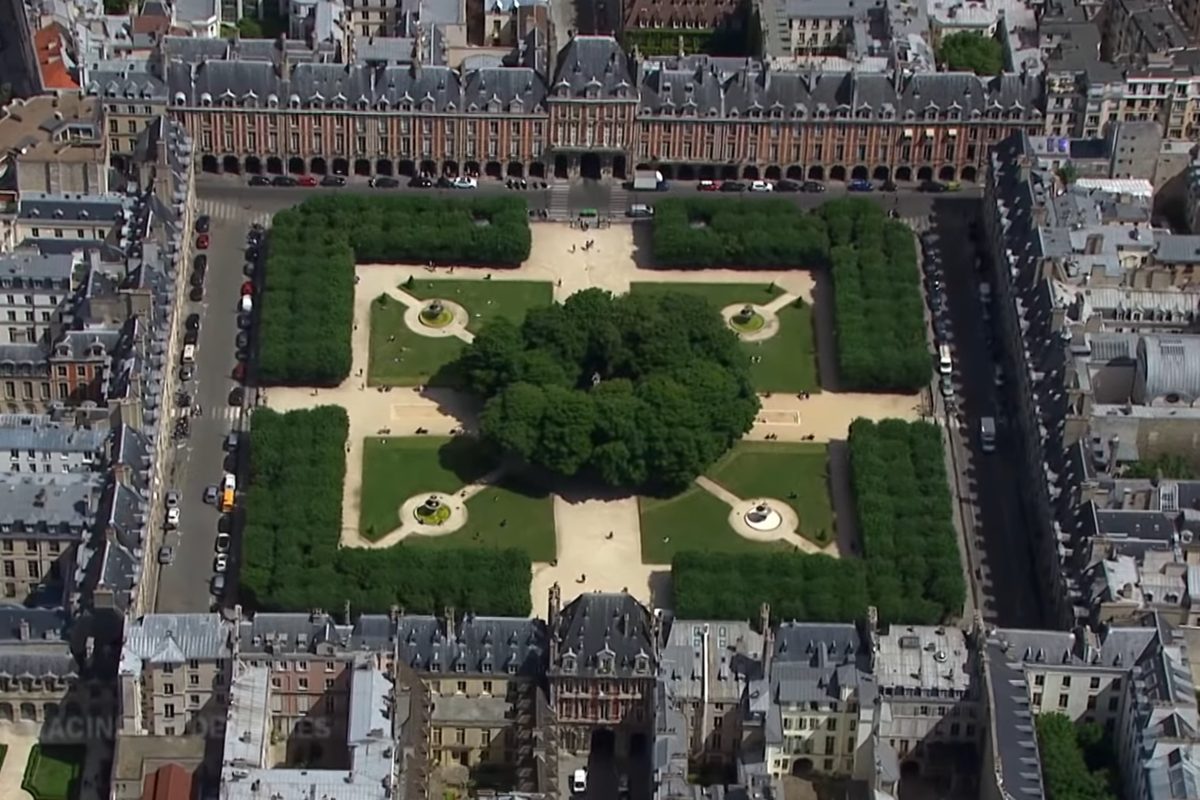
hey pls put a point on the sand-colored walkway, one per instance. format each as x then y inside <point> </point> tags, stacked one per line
<point>786,532</point>
<point>581,526</point>
<point>19,742</point>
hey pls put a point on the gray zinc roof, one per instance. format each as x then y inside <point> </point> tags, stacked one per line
<point>1171,365</point>
<point>47,502</point>
<point>473,645</point>
<point>1176,249</point>
<point>593,63</point>
<point>278,634</point>
<point>32,268</point>
<point>71,207</point>
<point>609,625</point>
<point>43,434</point>
<point>175,639</point>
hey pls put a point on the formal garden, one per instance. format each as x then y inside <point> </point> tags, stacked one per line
<point>402,356</point>
<point>53,772</point>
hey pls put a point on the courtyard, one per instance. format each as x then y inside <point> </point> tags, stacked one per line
<point>438,489</point>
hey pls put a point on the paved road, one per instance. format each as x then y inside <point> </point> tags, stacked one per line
<point>183,586</point>
<point>998,545</point>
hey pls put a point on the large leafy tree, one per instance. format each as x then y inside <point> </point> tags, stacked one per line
<point>972,52</point>
<point>638,390</point>
<point>1064,748</point>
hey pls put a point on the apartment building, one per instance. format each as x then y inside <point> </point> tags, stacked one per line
<point>35,294</point>
<point>174,674</point>
<point>75,220</point>
<point>1139,27</point>
<point>596,115</point>
<point>43,443</point>
<point>819,26</point>
<point>483,676</point>
<point>46,516</point>
<point>132,94</point>
<point>55,144</point>
<point>44,681</point>
<point>604,652</point>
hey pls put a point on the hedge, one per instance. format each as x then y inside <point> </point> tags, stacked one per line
<point>903,504</point>
<point>911,570</point>
<point>290,555</point>
<point>1077,760</point>
<point>719,232</point>
<point>879,315</point>
<point>308,298</point>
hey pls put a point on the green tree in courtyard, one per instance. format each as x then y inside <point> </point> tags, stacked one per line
<point>971,52</point>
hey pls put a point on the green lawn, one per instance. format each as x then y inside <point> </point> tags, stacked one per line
<point>691,520</point>
<point>401,357</point>
<point>789,358</point>
<point>52,772</point>
<point>794,472</point>
<point>509,514</point>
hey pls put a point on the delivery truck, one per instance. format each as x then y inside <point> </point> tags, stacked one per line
<point>648,180</point>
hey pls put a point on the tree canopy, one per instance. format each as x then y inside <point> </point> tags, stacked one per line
<point>972,52</point>
<point>641,390</point>
<point>700,232</point>
<point>1168,465</point>
<point>308,297</point>
<point>290,555</point>
<point>1065,749</point>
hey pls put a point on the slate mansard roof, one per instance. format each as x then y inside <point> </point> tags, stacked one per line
<point>474,645</point>
<point>605,634</point>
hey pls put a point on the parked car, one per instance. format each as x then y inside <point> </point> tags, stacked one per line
<point>306,180</point>
<point>223,542</point>
<point>247,287</point>
<point>172,498</point>
<point>166,554</point>
<point>197,278</point>
<point>231,440</point>
<point>333,180</point>
<point>200,261</point>
<point>951,186</point>
<point>259,180</point>
<point>761,186</point>
<point>640,211</point>
<point>237,396</point>
<point>860,185</point>
<point>283,180</point>
<point>243,320</point>
<point>464,182</point>
<point>202,241</point>
<point>252,253</point>
<point>221,563</point>
<point>786,185</point>
<point>249,268</point>
<point>931,186</point>
<point>186,372</point>
<point>947,387</point>
<point>384,182</point>
<point>579,781</point>
<point>191,337</point>
<point>173,515</point>
<point>889,186</point>
<point>202,223</point>
<point>196,294</point>
<point>443,183</point>
<point>217,587</point>
<point>813,187</point>
<point>239,372</point>
<point>420,182</point>
<point>225,523</point>
<point>192,323</point>
<point>733,186</point>
<point>708,186</point>
<point>210,494</point>
<point>243,339</point>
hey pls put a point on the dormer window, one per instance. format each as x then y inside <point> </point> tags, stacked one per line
<point>641,664</point>
<point>604,663</point>
<point>206,99</point>
<point>294,102</point>
<point>272,101</point>
<point>460,666</point>
<point>568,662</point>
<point>487,667</point>
<point>180,98</point>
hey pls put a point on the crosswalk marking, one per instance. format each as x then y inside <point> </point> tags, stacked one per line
<point>230,212</point>
<point>226,413</point>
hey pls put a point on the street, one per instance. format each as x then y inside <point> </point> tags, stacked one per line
<point>200,459</point>
<point>997,539</point>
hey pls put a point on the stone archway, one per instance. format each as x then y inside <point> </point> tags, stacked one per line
<point>515,169</point>
<point>687,172</point>
<point>318,166</point>
<point>590,166</point>
<point>859,173</point>
<point>795,173</point>
<point>925,174</point>
<point>729,172</point>
<point>668,171</point>
<point>816,173</point>
<point>210,164</point>
<point>428,168</point>
<point>406,168</point>
<point>802,767</point>
<point>561,167</point>
<point>708,172</point>
<point>904,173</point>
<point>618,167</point>
<point>231,165</point>
<point>750,172</point>
<point>341,166</point>
<point>773,173</point>
<point>470,168</point>
<point>274,165</point>
<point>362,166</point>
<point>969,174</point>
<point>450,168</point>
<point>296,165</point>
<point>254,165</point>
<point>537,169</point>
<point>947,173</point>
<point>837,173</point>
<point>493,169</point>
<point>383,166</point>
<point>881,173</point>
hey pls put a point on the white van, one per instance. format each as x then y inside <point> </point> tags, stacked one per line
<point>245,305</point>
<point>579,781</point>
<point>189,354</point>
<point>945,365</point>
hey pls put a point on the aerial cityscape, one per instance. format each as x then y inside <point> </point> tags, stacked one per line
<point>599,399</point>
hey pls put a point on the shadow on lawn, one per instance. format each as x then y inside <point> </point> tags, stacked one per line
<point>468,458</point>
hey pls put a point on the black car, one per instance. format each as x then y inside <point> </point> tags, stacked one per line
<point>888,186</point>
<point>733,186</point>
<point>260,180</point>
<point>243,339</point>
<point>420,182</point>
<point>241,355</point>
<point>786,185</point>
<point>225,524</point>
<point>815,187</point>
<point>932,187</point>
<point>384,182</point>
<point>333,180</point>
<point>193,322</point>
<point>243,320</point>
<point>254,237</point>
<point>237,396</point>
<point>202,222</point>
<point>248,269</point>
<point>252,253</point>
<point>200,262</point>
<point>196,294</point>
<point>191,337</point>
<point>444,183</point>
<point>186,372</point>
<point>197,279</point>
<point>283,180</point>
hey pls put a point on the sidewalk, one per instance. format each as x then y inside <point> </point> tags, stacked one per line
<point>13,770</point>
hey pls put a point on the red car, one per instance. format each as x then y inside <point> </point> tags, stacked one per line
<point>709,186</point>
<point>239,372</point>
<point>306,180</point>
<point>202,241</point>
<point>247,288</point>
